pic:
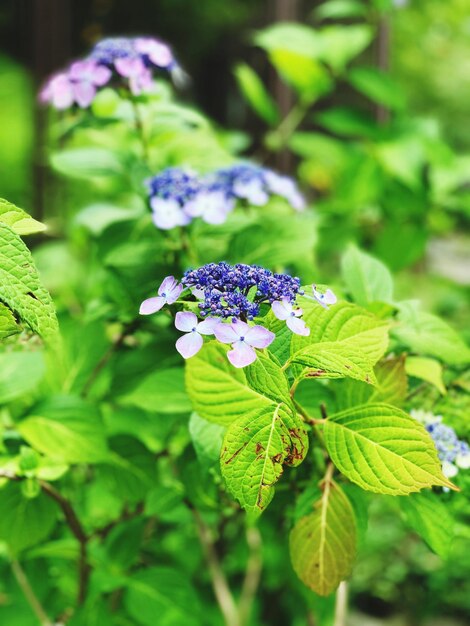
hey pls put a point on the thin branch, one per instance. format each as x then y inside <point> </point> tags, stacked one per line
<point>139,126</point>
<point>252,575</point>
<point>29,594</point>
<point>79,533</point>
<point>220,585</point>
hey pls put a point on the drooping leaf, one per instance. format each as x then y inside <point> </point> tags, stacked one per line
<point>18,220</point>
<point>367,278</point>
<point>161,391</point>
<point>426,369</point>
<point>383,449</point>
<point>67,429</point>
<point>162,592</point>
<point>20,287</point>
<point>20,373</point>
<point>427,334</point>
<point>255,449</point>
<point>430,518</point>
<point>24,522</point>
<point>218,391</point>
<point>323,544</point>
<point>255,93</point>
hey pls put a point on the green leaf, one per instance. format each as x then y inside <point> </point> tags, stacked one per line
<point>18,220</point>
<point>20,287</point>
<point>323,544</point>
<point>162,391</point>
<point>309,77</point>
<point>378,86</point>
<point>335,360</point>
<point>162,592</point>
<point>8,325</point>
<point>427,334</point>
<point>24,522</point>
<point>256,95</point>
<point>207,438</point>
<point>96,218</point>
<point>367,278</point>
<point>218,391</point>
<point>346,323</point>
<point>341,44</point>
<point>383,449</point>
<point>347,122</point>
<point>255,449</point>
<point>20,373</point>
<point>86,163</point>
<point>426,369</point>
<point>296,38</point>
<point>340,9</point>
<point>429,516</point>
<point>66,429</point>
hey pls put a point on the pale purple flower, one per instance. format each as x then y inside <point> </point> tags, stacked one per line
<point>158,53</point>
<point>85,77</point>
<point>325,299</point>
<point>284,310</point>
<point>168,293</point>
<point>286,188</point>
<point>58,91</point>
<point>167,213</point>
<point>251,190</point>
<point>212,206</point>
<point>244,339</point>
<point>188,345</point>
<point>140,77</point>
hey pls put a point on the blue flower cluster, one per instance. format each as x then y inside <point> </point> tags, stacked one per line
<point>178,196</point>
<point>452,451</point>
<point>230,296</point>
<point>237,291</point>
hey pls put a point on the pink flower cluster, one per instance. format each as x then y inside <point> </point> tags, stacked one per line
<point>127,62</point>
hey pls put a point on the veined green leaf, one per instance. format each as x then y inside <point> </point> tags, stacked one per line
<point>323,544</point>
<point>383,449</point>
<point>18,220</point>
<point>20,288</point>
<point>66,429</point>
<point>8,325</point>
<point>255,449</point>
<point>222,393</point>
<point>335,359</point>
<point>430,518</point>
<point>367,278</point>
<point>24,522</point>
<point>346,323</point>
<point>426,369</point>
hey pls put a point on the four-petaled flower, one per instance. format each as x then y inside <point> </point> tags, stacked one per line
<point>188,345</point>
<point>140,77</point>
<point>85,77</point>
<point>244,339</point>
<point>168,293</point>
<point>284,311</point>
<point>325,299</point>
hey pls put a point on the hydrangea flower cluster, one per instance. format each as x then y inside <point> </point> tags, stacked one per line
<point>177,196</point>
<point>452,451</point>
<point>119,60</point>
<point>229,297</point>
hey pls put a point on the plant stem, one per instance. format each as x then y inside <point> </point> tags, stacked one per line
<point>252,575</point>
<point>79,533</point>
<point>341,604</point>
<point>220,586</point>
<point>29,594</point>
<point>139,126</point>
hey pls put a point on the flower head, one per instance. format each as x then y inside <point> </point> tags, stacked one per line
<point>123,61</point>
<point>453,452</point>
<point>244,339</point>
<point>284,310</point>
<point>190,343</point>
<point>168,293</point>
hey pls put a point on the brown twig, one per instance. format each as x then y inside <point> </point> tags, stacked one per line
<point>79,533</point>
